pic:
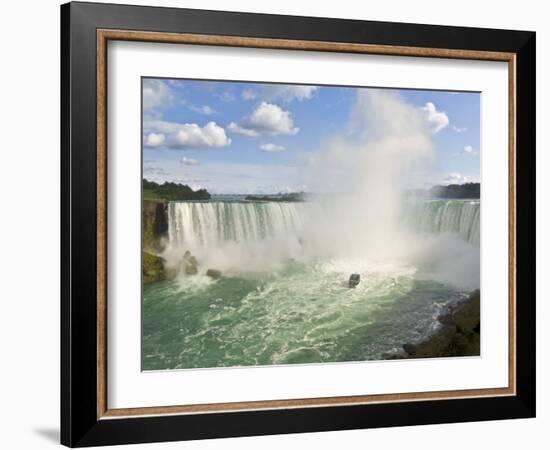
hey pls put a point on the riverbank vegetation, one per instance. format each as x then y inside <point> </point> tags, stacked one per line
<point>172,192</point>
<point>290,197</point>
<point>466,190</point>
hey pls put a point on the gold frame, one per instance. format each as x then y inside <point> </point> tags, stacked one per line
<point>103,36</point>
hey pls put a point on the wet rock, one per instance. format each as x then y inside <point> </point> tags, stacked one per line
<point>190,264</point>
<point>213,273</point>
<point>459,335</point>
<point>155,225</point>
<point>153,268</point>
<point>191,269</point>
<point>409,349</point>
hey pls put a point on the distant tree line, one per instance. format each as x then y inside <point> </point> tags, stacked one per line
<point>466,190</point>
<point>290,197</point>
<point>172,191</point>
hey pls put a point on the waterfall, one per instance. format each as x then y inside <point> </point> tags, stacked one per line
<point>208,224</point>
<point>449,216</point>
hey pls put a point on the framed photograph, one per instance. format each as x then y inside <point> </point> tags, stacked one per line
<point>276,224</point>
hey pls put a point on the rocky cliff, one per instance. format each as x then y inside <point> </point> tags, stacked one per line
<point>153,268</point>
<point>155,225</point>
<point>155,233</point>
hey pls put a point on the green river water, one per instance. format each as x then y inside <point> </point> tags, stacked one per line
<point>298,313</point>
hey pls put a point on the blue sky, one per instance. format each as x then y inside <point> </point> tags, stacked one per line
<point>237,137</point>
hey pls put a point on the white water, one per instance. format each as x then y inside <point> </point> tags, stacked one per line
<point>283,297</point>
<point>387,144</point>
<point>212,224</point>
<point>239,237</point>
<point>282,300</point>
<point>460,217</point>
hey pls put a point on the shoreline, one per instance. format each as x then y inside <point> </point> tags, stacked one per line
<point>458,336</point>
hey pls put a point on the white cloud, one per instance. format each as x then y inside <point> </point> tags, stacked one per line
<point>437,120</point>
<point>183,135</point>
<point>189,161</point>
<point>155,93</point>
<point>154,139</point>
<point>288,93</point>
<point>455,178</point>
<point>272,147</point>
<point>459,129</point>
<point>266,119</point>
<point>469,150</point>
<point>248,94</point>
<point>235,128</point>
<point>191,135</point>
<point>205,109</point>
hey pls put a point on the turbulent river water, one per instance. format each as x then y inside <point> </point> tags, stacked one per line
<point>275,306</point>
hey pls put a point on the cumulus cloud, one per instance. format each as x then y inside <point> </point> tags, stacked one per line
<point>469,150</point>
<point>288,93</point>
<point>161,133</point>
<point>155,94</point>
<point>154,139</point>
<point>271,147</point>
<point>437,120</point>
<point>191,135</point>
<point>189,161</point>
<point>248,94</point>
<point>455,178</point>
<point>267,119</point>
<point>236,128</point>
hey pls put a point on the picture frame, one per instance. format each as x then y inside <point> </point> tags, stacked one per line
<point>86,418</point>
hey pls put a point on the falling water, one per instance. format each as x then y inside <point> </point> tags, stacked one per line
<point>301,310</point>
<point>208,224</point>
<point>448,216</point>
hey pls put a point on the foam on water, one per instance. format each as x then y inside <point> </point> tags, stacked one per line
<point>302,315</point>
<point>280,303</point>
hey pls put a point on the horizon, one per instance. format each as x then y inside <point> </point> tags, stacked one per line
<point>304,192</point>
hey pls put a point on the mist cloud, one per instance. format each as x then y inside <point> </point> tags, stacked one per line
<point>369,165</point>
